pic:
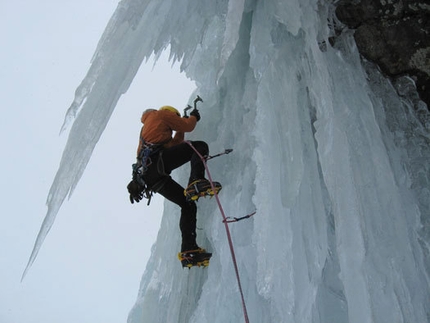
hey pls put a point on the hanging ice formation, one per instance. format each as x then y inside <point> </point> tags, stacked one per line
<point>332,157</point>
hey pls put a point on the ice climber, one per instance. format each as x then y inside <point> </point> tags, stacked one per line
<point>158,154</point>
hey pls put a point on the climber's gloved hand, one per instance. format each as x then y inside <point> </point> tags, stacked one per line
<point>196,114</point>
<point>136,191</point>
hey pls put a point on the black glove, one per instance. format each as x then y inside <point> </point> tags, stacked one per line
<point>135,190</point>
<point>196,114</point>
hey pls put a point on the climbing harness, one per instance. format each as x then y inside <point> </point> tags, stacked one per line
<point>230,241</point>
<point>140,169</point>
<point>145,154</point>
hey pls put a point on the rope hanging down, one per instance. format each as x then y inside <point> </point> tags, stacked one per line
<point>230,241</point>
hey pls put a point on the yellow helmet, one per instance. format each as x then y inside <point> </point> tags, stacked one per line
<point>169,108</point>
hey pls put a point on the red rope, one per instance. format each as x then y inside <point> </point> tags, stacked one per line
<point>230,241</point>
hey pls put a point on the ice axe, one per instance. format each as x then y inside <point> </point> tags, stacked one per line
<point>197,99</point>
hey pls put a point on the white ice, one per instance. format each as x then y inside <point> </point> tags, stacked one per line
<point>333,159</point>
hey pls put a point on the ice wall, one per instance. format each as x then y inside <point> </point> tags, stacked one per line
<point>339,234</point>
<point>335,235</point>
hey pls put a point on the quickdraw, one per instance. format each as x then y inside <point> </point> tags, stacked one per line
<point>231,220</point>
<point>225,152</point>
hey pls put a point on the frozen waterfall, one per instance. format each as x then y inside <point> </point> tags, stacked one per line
<point>333,159</point>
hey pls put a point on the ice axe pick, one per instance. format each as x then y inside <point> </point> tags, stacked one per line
<point>197,99</point>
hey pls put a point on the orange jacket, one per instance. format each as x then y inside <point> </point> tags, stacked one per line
<point>158,127</point>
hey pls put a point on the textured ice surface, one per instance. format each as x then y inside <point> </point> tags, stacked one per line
<point>334,161</point>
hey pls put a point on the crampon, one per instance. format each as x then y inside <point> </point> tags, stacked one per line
<point>201,188</point>
<point>191,258</point>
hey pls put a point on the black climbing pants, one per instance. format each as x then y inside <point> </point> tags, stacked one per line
<point>158,178</point>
